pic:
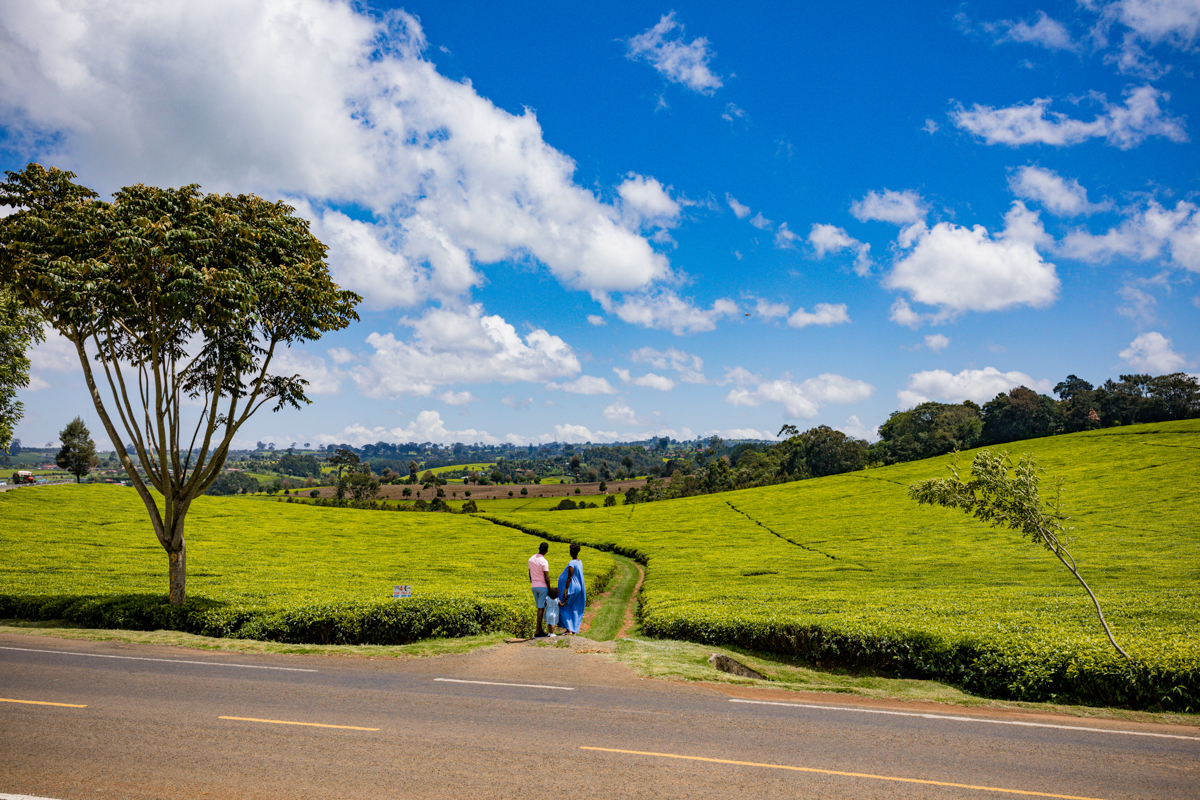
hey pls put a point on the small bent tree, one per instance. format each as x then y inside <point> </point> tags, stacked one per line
<point>1005,500</point>
<point>180,303</point>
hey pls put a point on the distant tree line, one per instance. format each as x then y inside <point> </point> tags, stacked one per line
<point>931,429</point>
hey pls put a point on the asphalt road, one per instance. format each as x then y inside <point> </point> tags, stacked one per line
<point>136,721</point>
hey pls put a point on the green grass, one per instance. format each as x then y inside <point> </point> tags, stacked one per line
<point>611,616</point>
<point>847,568</point>
<point>96,541</point>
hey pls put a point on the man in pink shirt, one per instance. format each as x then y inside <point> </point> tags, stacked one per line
<point>539,582</point>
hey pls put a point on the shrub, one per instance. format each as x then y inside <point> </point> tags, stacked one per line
<point>524,491</point>
<point>315,493</point>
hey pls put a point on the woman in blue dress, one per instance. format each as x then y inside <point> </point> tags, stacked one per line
<point>572,594</point>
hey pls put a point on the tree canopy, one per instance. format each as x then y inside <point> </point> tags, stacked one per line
<point>20,327</point>
<point>173,295</point>
<point>78,453</point>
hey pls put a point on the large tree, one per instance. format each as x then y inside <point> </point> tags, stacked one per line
<point>78,453</point>
<point>170,296</point>
<point>20,327</point>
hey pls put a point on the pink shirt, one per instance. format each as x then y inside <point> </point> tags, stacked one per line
<point>538,567</point>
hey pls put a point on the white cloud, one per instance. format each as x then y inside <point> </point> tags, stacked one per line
<point>785,238</point>
<point>675,60</point>
<point>738,376</point>
<point>312,100</point>
<point>854,427</point>
<point>899,208</point>
<point>585,384</point>
<point>450,347</point>
<point>977,385</point>
<point>767,310</point>
<point>689,366</point>
<point>761,222</point>
<point>930,127</point>
<point>937,342</point>
<point>322,380</point>
<point>903,314</point>
<point>739,210</point>
<point>741,433</point>
<point>822,314</point>
<point>1152,352</point>
<point>1175,22</point>
<point>1144,235</point>
<point>1125,126</point>
<point>55,354</point>
<point>832,239</point>
<point>666,310</point>
<point>1045,32</point>
<point>647,202</point>
<point>518,403</point>
<point>457,398</point>
<point>596,319</point>
<point>620,413</point>
<point>427,427</point>
<point>649,380</point>
<point>579,433</point>
<point>803,399</point>
<point>959,269</point>
<point>1056,194</point>
<point>732,112</point>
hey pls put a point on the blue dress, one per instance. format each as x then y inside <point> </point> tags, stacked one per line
<point>570,616</point>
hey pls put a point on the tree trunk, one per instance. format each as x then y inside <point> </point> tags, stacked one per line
<point>178,574</point>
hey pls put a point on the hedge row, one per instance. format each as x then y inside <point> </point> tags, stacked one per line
<point>379,622</point>
<point>1035,672</point>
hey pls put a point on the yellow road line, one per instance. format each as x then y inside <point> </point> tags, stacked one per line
<point>40,703</point>
<point>843,774</point>
<point>308,724</point>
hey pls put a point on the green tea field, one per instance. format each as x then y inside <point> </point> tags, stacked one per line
<point>268,570</point>
<point>847,570</point>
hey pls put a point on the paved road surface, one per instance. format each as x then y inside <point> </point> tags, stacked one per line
<point>139,721</point>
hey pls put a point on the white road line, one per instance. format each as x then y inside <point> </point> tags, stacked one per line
<point>23,797</point>
<point>521,685</point>
<point>969,719</point>
<point>163,660</point>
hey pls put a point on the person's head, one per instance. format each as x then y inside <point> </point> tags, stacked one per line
<point>544,548</point>
<point>574,551</point>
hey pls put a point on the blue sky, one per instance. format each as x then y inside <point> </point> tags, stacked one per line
<point>620,220</point>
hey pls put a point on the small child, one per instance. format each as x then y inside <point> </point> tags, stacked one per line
<point>551,614</point>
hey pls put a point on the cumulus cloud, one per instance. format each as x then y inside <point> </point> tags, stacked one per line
<point>580,433</point>
<point>1148,232</point>
<point>739,210</point>
<point>1152,352</point>
<point>322,379</point>
<point>769,310</point>
<point>457,398</point>
<point>690,367</point>
<point>677,61</point>
<point>647,202</point>
<point>585,384</point>
<point>976,385</point>
<point>1124,126</point>
<point>666,310</point>
<point>959,269</point>
<point>898,208</point>
<point>460,346</point>
<point>785,238</point>
<point>1044,32</point>
<point>517,403</point>
<point>738,376</point>
<point>803,399</point>
<point>333,108</point>
<point>427,427</point>
<point>832,239</point>
<point>822,314</point>
<point>620,413</point>
<point>1056,194</point>
<point>854,427</point>
<point>596,319</point>
<point>649,380</point>
<point>937,342</point>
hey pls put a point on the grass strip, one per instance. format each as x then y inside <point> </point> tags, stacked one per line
<point>611,615</point>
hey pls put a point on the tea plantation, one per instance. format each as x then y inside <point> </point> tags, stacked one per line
<point>267,570</point>
<point>846,570</point>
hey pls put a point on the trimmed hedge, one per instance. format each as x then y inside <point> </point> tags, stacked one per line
<point>379,622</point>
